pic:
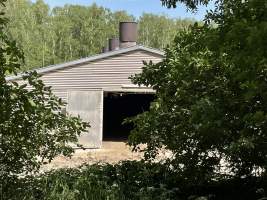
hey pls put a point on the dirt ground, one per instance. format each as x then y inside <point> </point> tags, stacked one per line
<point>111,152</point>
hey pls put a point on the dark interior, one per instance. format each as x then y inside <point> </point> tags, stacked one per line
<point>117,107</point>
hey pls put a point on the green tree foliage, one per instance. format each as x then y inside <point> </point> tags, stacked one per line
<point>211,88</point>
<point>126,180</point>
<point>158,31</point>
<point>191,4</point>
<point>71,32</point>
<point>29,25</point>
<point>59,35</point>
<point>32,128</point>
<point>82,31</point>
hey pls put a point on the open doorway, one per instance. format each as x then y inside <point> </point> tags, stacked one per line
<point>117,107</point>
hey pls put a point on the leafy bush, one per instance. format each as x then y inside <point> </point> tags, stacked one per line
<point>211,89</point>
<point>32,128</point>
<point>126,180</point>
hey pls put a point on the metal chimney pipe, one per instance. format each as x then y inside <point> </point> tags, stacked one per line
<point>114,44</point>
<point>128,34</point>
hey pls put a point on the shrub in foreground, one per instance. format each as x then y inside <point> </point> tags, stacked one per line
<point>32,127</point>
<point>127,180</point>
<point>210,108</point>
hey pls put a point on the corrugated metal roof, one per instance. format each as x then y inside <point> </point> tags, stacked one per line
<point>89,59</point>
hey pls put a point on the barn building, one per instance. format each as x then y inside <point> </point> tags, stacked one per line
<point>98,88</point>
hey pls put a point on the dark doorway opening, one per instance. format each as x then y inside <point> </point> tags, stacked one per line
<point>117,107</point>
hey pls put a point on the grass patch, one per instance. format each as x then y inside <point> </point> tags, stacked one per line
<point>126,180</point>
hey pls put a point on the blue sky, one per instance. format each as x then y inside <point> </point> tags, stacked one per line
<point>137,7</point>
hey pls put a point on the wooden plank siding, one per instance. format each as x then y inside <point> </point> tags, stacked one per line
<point>109,73</point>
